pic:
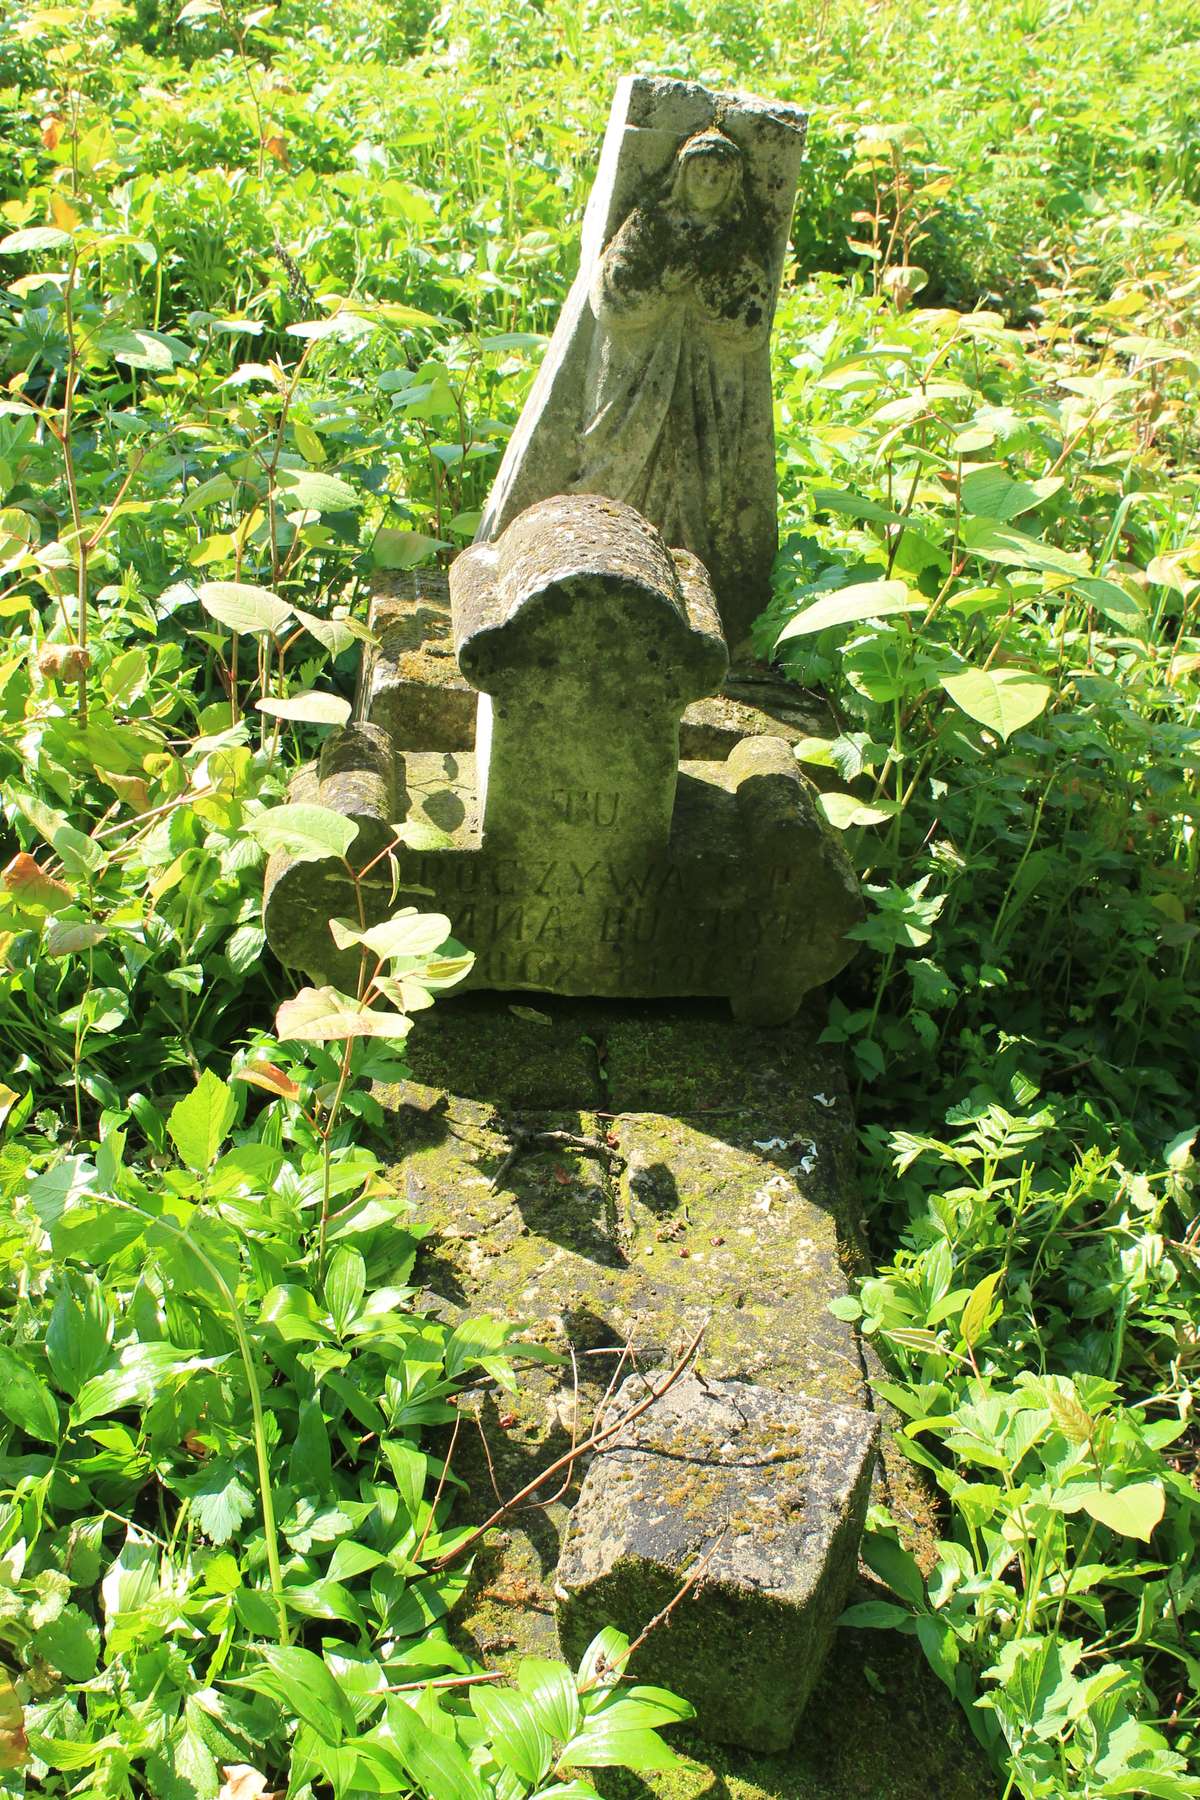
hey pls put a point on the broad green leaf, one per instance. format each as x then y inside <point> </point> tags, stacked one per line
<point>77,1336</point>
<point>437,1764</point>
<point>138,349</point>
<point>845,810</point>
<point>26,1399</point>
<point>337,634</point>
<point>311,708</point>
<point>303,1684</point>
<point>323,1016</point>
<point>641,1707</point>
<point>1134,1511</point>
<point>517,1739</point>
<point>200,1123</point>
<point>978,1308</point>
<point>1071,1418</point>
<point>876,1615</point>
<point>994,494</point>
<point>393,549</point>
<point>33,237</point>
<point>345,325</point>
<point>894,1565</point>
<point>601,1745</point>
<point>67,937</point>
<point>314,491</point>
<point>1002,543</point>
<point>1002,699</point>
<point>858,506</point>
<point>305,833</point>
<point>851,605</point>
<point>550,1687</point>
<point>345,1285</point>
<point>243,607</point>
<point>602,1661</point>
<point>294,1314</point>
<point>1114,602</point>
<point>407,933</point>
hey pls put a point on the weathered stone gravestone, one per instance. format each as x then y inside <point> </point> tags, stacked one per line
<point>703,1193</point>
<point>656,386</point>
<point>573,853</point>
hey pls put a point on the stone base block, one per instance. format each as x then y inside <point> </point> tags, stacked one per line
<point>772,1487</point>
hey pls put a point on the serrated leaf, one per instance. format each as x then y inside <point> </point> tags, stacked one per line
<point>303,832</point>
<point>200,1123</point>
<point>323,1016</point>
<point>243,607</point>
<point>70,1643</point>
<point>1071,1418</point>
<point>851,605</point>
<point>1002,699</point>
<point>219,1501</point>
<point>311,708</point>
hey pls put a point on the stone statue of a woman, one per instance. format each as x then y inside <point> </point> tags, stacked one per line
<point>656,387</point>
<point>678,382</point>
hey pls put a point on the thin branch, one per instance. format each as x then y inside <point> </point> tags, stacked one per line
<point>440,1486</point>
<point>697,1574</point>
<point>577,1450</point>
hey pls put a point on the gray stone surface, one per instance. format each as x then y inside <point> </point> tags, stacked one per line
<point>412,687</point>
<point>656,386</point>
<point>574,853</point>
<point>771,1488</point>
<point>671,1165</point>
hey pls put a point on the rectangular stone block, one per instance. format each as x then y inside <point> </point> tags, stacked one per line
<point>771,1488</point>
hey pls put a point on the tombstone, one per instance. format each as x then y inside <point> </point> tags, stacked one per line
<point>573,851</point>
<point>656,386</point>
<point>626,545</point>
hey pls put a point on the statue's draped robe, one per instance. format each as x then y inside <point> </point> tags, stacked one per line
<point>678,381</point>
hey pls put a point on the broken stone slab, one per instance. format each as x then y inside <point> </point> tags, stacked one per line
<point>573,853</point>
<point>656,386</point>
<point>769,1491</point>
<point>410,686</point>
<point>559,1242</point>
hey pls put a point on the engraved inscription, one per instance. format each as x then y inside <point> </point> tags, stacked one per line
<point>587,806</point>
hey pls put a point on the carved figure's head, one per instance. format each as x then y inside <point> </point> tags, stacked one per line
<point>707,174</point>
